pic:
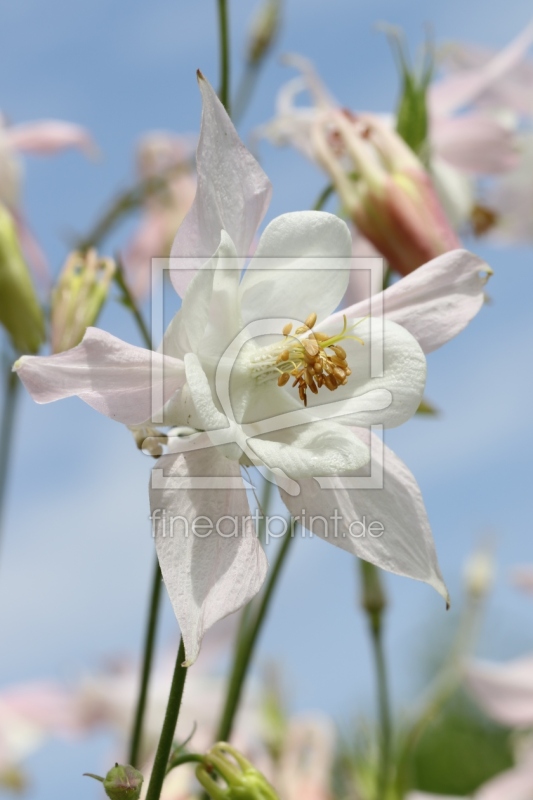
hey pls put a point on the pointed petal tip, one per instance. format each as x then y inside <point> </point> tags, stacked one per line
<point>199,75</point>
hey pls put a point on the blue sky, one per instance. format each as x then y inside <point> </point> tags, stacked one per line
<point>77,555</point>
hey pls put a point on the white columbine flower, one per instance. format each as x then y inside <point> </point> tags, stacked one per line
<point>225,375</point>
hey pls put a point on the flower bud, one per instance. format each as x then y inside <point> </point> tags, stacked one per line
<point>238,778</point>
<point>479,571</point>
<point>78,297</point>
<point>264,31</point>
<point>20,312</point>
<point>121,782</point>
<point>387,191</point>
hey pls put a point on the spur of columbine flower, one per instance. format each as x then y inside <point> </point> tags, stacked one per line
<point>220,376</point>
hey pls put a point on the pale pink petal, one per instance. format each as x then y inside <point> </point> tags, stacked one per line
<point>46,705</point>
<point>148,241</point>
<point>233,193</point>
<point>459,90</point>
<point>514,784</point>
<point>504,691</point>
<point>49,137</point>
<point>436,301</point>
<point>208,573</point>
<point>523,578</point>
<point>476,143</point>
<point>32,249</point>
<point>387,526</point>
<point>113,377</point>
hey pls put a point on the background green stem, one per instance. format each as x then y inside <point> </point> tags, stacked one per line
<point>247,642</point>
<point>135,750</point>
<point>166,739</point>
<point>7,424</point>
<point>223,29</point>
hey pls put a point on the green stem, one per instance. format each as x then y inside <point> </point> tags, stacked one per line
<point>7,425</point>
<point>442,690</point>
<point>374,603</point>
<point>149,645</point>
<point>245,90</point>
<point>184,758</point>
<point>323,197</point>
<point>246,646</point>
<point>129,301</point>
<point>223,29</point>
<point>166,739</point>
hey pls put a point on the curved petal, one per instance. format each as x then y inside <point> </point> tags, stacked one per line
<point>312,249</point>
<point>209,316</point>
<point>475,143</point>
<point>48,137</point>
<point>387,526</point>
<point>208,572</point>
<point>401,374</point>
<point>233,193</point>
<point>504,691</point>
<point>321,448</point>
<point>113,377</point>
<point>436,301</point>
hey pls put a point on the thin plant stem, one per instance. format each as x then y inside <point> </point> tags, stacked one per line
<point>166,738</point>
<point>148,655</point>
<point>126,203</point>
<point>246,647</point>
<point>441,690</point>
<point>374,603</point>
<point>245,90</point>
<point>223,29</point>
<point>323,197</point>
<point>7,425</point>
<point>184,758</point>
<point>129,301</point>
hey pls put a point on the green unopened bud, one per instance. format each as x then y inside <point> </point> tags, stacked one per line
<point>227,775</point>
<point>121,782</point>
<point>78,297</point>
<point>20,312</point>
<point>264,31</point>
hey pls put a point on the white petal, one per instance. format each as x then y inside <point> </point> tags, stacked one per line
<point>401,375</point>
<point>113,377</point>
<point>513,784</point>
<point>504,691</point>
<point>209,316</point>
<point>400,539</point>
<point>321,448</point>
<point>436,301</point>
<point>207,576</point>
<point>233,193</point>
<point>300,266</point>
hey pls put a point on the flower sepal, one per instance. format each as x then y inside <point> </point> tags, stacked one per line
<point>238,779</point>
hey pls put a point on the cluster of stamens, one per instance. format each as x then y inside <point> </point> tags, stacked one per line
<point>313,359</point>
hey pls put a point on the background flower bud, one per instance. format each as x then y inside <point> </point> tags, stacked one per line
<point>78,297</point>
<point>264,30</point>
<point>20,311</point>
<point>122,782</point>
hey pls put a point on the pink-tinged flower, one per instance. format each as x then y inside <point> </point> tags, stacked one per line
<point>504,691</point>
<point>256,417</point>
<point>29,715</point>
<point>305,768</point>
<point>167,156</point>
<point>510,199</point>
<point>42,138</point>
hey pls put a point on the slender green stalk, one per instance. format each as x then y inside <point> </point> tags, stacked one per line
<point>246,646</point>
<point>184,758</point>
<point>441,691</point>
<point>148,655</point>
<point>129,301</point>
<point>323,197</point>
<point>7,424</point>
<point>166,738</point>
<point>127,202</point>
<point>374,604</point>
<point>245,90</point>
<point>223,29</point>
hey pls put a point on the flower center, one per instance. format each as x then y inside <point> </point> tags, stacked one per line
<point>312,358</point>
